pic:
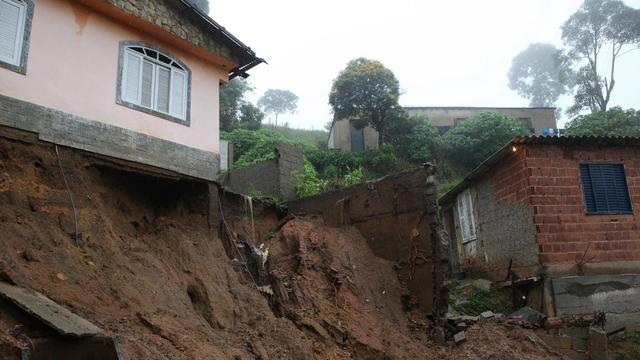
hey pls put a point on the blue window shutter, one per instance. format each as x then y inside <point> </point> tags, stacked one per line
<point>605,188</point>
<point>587,188</point>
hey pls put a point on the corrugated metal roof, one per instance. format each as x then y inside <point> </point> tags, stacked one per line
<point>486,165</point>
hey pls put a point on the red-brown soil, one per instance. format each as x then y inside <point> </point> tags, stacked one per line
<point>150,270</point>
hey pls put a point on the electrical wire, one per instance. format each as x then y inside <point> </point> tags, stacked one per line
<point>73,206</point>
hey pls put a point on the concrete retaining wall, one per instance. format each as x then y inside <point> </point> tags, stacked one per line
<point>69,130</point>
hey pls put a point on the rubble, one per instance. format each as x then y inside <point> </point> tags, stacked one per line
<point>156,270</point>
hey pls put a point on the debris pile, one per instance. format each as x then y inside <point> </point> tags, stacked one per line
<point>151,270</point>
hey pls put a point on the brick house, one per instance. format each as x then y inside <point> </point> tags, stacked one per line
<point>560,206</point>
<point>130,79</point>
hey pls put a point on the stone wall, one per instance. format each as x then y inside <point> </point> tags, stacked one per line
<point>173,17</point>
<point>270,177</point>
<point>69,130</point>
<point>397,216</point>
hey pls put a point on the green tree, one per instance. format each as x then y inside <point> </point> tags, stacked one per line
<point>235,111</point>
<point>250,117</point>
<point>276,101</point>
<point>366,90</point>
<point>613,122</point>
<point>471,142</point>
<point>597,26</point>
<point>541,74</point>
<point>416,140</point>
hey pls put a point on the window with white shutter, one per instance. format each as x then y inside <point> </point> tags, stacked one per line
<point>14,33</point>
<point>153,81</point>
<point>465,216</point>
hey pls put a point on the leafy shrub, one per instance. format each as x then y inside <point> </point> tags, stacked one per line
<point>353,177</point>
<point>468,144</point>
<point>613,122</point>
<point>250,147</point>
<point>308,182</point>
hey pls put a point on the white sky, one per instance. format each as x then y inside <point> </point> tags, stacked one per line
<point>443,52</point>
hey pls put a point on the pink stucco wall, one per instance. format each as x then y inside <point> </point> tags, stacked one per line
<point>73,67</point>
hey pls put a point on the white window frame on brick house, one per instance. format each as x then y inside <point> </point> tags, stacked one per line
<point>152,81</point>
<point>15,27</point>
<point>465,217</point>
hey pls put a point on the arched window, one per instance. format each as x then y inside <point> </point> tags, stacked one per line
<point>151,80</point>
<point>15,25</point>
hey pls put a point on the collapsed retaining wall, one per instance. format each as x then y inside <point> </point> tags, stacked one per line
<point>397,215</point>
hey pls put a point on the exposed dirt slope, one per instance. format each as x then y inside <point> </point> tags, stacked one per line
<point>149,270</point>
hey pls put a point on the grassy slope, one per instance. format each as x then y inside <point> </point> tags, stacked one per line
<point>310,137</point>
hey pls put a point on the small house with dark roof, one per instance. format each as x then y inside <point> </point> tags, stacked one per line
<point>130,79</point>
<point>565,207</point>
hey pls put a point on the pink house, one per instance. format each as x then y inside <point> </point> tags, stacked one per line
<point>132,79</point>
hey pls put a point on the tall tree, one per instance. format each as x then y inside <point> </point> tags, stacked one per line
<point>613,122</point>
<point>235,111</point>
<point>597,26</point>
<point>276,101</point>
<point>541,74</point>
<point>366,90</point>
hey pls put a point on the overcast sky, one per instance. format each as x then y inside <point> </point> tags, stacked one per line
<point>444,52</point>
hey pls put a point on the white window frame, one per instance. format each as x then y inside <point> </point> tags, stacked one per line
<point>20,33</point>
<point>465,217</point>
<point>174,68</point>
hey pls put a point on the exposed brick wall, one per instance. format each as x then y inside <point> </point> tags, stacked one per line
<point>564,230</point>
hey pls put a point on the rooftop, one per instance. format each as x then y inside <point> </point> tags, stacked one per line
<point>488,164</point>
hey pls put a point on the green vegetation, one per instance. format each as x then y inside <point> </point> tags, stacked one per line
<point>366,90</point>
<point>412,142</point>
<point>480,300</point>
<point>311,138</point>
<point>309,182</point>
<point>542,73</point>
<point>613,122</point>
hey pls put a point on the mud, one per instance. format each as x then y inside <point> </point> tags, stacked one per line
<point>151,270</point>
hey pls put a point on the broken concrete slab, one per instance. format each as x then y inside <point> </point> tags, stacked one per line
<point>462,318</point>
<point>487,314</point>
<point>51,313</point>
<point>459,337</point>
<point>617,294</point>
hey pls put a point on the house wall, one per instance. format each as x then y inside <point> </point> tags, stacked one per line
<point>565,232</point>
<point>503,218</point>
<point>445,116</point>
<point>340,136</point>
<point>72,68</point>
